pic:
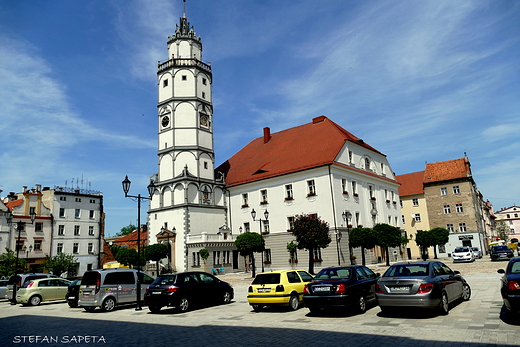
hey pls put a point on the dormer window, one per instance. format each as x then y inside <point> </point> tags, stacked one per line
<point>367,164</point>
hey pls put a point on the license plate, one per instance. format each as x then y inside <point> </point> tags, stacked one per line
<point>72,297</point>
<point>321,289</point>
<point>156,292</point>
<point>399,289</point>
<point>264,290</point>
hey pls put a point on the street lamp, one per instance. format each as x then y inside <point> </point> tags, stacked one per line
<point>19,227</point>
<point>126,188</point>
<point>27,251</point>
<point>347,217</point>
<point>266,215</point>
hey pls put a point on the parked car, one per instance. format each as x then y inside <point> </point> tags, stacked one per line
<point>35,291</point>
<point>3,289</point>
<point>476,252</point>
<point>281,287</point>
<point>510,285</point>
<point>72,295</point>
<point>107,288</point>
<point>501,253</point>
<point>20,279</point>
<point>349,286</point>
<point>186,289</point>
<point>429,284</point>
<point>461,254</point>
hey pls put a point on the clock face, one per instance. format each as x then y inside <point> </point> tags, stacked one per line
<point>204,121</point>
<point>165,121</point>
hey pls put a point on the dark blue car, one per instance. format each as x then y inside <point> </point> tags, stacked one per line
<point>510,288</point>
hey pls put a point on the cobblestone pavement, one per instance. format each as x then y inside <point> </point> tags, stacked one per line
<point>478,322</point>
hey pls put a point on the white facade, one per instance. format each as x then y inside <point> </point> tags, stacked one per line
<point>511,217</point>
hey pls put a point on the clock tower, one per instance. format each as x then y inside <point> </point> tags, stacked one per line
<point>188,200</point>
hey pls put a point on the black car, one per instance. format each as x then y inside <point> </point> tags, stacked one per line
<point>510,288</point>
<point>501,253</point>
<point>341,287</point>
<point>73,292</point>
<point>186,289</point>
<point>426,284</point>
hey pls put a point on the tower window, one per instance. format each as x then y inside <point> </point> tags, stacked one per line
<point>165,83</point>
<point>184,77</point>
<point>206,165</point>
<point>203,95</point>
<point>204,81</point>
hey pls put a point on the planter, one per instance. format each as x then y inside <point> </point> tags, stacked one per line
<point>387,201</point>
<point>289,198</point>
<point>345,192</point>
<point>311,194</point>
<point>244,206</point>
<point>373,198</point>
<point>263,202</point>
<point>356,194</point>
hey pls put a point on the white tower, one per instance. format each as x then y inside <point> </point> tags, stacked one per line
<point>188,197</point>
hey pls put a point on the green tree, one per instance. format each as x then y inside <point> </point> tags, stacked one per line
<point>247,244</point>
<point>60,263</point>
<point>423,239</point>
<point>292,249</point>
<point>388,236</point>
<point>365,238</point>
<point>155,253</point>
<point>126,256</point>
<point>439,236</point>
<point>311,233</point>
<point>8,263</point>
<point>204,254</point>
<point>130,228</point>
<point>503,230</point>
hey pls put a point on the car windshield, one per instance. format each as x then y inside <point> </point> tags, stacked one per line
<point>333,274</point>
<point>515,267</point>
<point>500,248</point>
<point>461,249</point>
<point>161,280</point>
<point>407,270</point>
<point>273,278</point>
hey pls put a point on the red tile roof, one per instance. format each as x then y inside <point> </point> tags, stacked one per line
<point>108,256</point>
<point>14,203</point>
<point>303,147</point>
<point>447,170</point>
<point>411,184</point>
<point>130,240</point>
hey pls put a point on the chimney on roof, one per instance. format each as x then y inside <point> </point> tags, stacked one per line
<point>38,187</point>
<point>318,119</point>
<point>267,134</point>
<point>24,189</point>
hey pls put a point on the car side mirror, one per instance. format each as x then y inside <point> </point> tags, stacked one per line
<point>456,272</point>
<point>378,274</point>
<point>501,271</point>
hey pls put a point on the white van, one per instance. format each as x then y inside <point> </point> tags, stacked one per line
<point>107,288</point>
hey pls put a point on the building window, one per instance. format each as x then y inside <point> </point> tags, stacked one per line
<point>367,164</point>
<point>165,83</point>
<point>371,192</point>
<point>350,157</point>
<point>91,214</point>
<point>247,228</point>
<point>344,185</point>
<point>76,230</point>
<point>402,218</point>
<point>263,196</point>
<point>450,228</point>
<point>196,259</point>
<point>288,192</point>
<point>459,209</point>
<point>203,95</point>
<point>317,254</point>
<point>267,256</point>
<point>90,248</point>
<point>184,77</point>
<point>266,227</point>
<point>204,81</point>
<point>78,199</point>
<point>382,169</point>
<point>245,200</point>
<point>290,222</point>
<point>32,210</point>
<point>444,191</point>
<point>447,209</point>
<point>417,217</point>
<point>216,258</point>
<point>61,230</point>
<point>77,213</point>
<point>401,203</point>
<point>312,188</point>
<point>456,190</point>
<point>354,188</point>
<point>62,212</point>
<point>415,202</point>
<point>38,227</point>
<point>63,198</point>
<point>462,227</point>
<point>37,245</point>
<point>91,230</point>
<point>442,248</point>
<point>92,201</point>
<point>59,248</point>
<point>205,165</point>
<point>75,248</point>
<point>358,221</point>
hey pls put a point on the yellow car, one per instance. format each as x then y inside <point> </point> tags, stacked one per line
<point>282,287</point>
<point>43,289</point>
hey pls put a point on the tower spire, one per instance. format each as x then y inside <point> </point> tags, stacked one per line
<point>184,15</point>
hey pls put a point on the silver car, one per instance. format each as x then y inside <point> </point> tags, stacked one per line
<point>429,284</point>
<point>463,254</point>
<point>476,252</point>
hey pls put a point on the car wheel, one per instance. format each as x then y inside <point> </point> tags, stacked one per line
<point>35,300</point>
<point>183,306</point>
<point>314,310</point>
<point>293,303</point>
<point>226,297</point>
<point>108,305</point>
<point>257,307</point>
<point>466,292</point>
<point>73,304</point>
<point>154,308</point>
<point>89,308</point>
<point>361,304</point>
<point>443,304</point>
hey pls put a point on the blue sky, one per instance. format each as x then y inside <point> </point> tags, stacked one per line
<point>421,81</point>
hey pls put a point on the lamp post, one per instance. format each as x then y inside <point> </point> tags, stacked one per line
<point>266,215</point>
<point>347,217</point>
<point>27,251</point>
<point>19,227</point>
<point>126,188</point>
